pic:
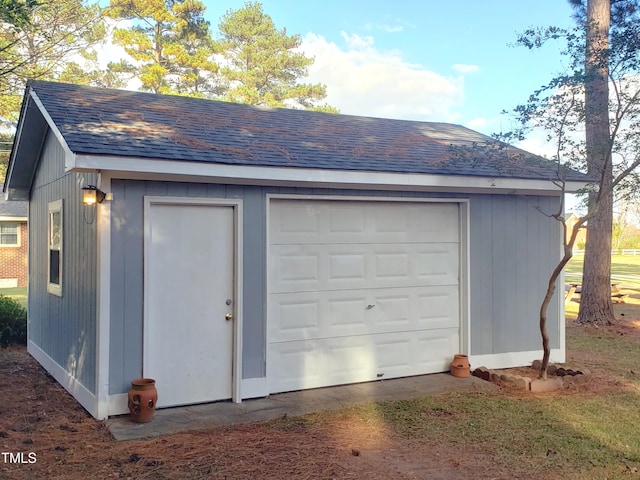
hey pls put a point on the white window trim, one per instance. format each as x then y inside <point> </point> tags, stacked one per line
<point>18,236</point>
<point>55,289</point>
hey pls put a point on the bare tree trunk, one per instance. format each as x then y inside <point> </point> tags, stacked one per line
<point>551,286</point>
<point>595,304</point>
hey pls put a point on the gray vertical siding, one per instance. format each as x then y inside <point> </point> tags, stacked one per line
<point>513,248</point>
<point>63,327</point>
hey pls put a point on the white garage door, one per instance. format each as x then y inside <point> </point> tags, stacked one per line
<point>360,290</point>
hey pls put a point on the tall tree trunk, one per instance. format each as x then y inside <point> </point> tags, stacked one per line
<point>595,304</point>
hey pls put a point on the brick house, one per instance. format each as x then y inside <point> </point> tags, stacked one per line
<point>14,243</point>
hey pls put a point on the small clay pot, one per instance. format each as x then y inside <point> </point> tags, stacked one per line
<point>143,397</point>
<point>460,366</point>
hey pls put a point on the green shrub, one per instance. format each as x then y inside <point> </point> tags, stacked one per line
<point>13,322</point>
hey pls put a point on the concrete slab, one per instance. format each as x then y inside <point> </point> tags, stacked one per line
<point>212,415</point>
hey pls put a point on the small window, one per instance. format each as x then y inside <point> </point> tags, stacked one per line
<point>55,248</point>
<point>9,232</point>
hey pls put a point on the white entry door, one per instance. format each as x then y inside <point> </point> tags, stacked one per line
<point>188,342</point>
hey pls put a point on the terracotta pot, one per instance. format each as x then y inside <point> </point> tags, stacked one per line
<point>460,366</point>
<point>143,397</point>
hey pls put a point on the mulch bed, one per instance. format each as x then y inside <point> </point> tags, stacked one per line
<point>40,421</point>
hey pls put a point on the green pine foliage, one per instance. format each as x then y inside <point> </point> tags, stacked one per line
<point>16,12</point>
<point>262,64</point>
<point>170,44</point>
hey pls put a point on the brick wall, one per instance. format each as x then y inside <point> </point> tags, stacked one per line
<point>13,260</point>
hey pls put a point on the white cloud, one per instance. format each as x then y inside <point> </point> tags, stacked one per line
<point>396,25</point>
<point>462,68</point>
<point>384,27</point>
<point>538,144</point>
<point>391,28</point>
<point>109,52</point>
<point>362,80</point>
<point>477,123</point>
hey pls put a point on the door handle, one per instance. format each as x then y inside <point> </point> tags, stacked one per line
<point>228,317</point>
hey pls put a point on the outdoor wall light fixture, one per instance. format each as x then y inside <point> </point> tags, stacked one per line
<point>92,195</point>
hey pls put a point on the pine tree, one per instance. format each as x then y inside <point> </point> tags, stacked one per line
<point>262,65</point>
<point>170,43</point>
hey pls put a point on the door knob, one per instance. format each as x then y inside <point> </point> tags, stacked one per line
<point>228,317</point>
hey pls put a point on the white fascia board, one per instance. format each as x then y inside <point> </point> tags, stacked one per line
<point>6,218</point>
<point>69,156</point>
<point>158,169</point>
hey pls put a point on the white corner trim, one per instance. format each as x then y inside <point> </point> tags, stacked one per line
<point>103,300</point>
<point>254,388</point>
<point>72,385</point>
<point>118,404</point>
<point>238,289</point>
<point>464,213</point>
<point>514,359</point>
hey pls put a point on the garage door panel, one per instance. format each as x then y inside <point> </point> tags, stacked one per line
<point>296,366</point>
<point>437,308</point>
<point>393,311</point>
<point>298,268</point>
<point>301,319</point>
<point>359,290</point>
<point>341,313</point>
<point>414,223</point>
<point>318,363</point>
<point>435,350</point>
<point>349,266</point>
<point>393,266</point>
<point>330,222</point>
<point>437,264</point>
<point>335,361</point>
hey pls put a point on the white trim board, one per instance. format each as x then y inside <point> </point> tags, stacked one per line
<point>117,404</point>
<point>158,169</point>
<point>71,384</point>
<point>103,300</point>
<point>254,388</point>
<point>514,359</point>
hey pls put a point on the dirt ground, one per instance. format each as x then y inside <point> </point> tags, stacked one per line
<point>49,436</point>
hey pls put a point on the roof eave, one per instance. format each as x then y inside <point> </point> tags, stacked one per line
<point>34,122</point>
<point>145,168</point>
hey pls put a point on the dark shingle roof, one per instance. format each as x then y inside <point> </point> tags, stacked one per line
<point>13,208</point>
<point>124,123</point>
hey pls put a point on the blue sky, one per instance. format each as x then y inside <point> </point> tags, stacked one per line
<point>431,60</point>
<point>421,59</point>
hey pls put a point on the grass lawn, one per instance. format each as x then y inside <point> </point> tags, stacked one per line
<point>623,268</point>
<point>585,432</point>
<point>18,294</point>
